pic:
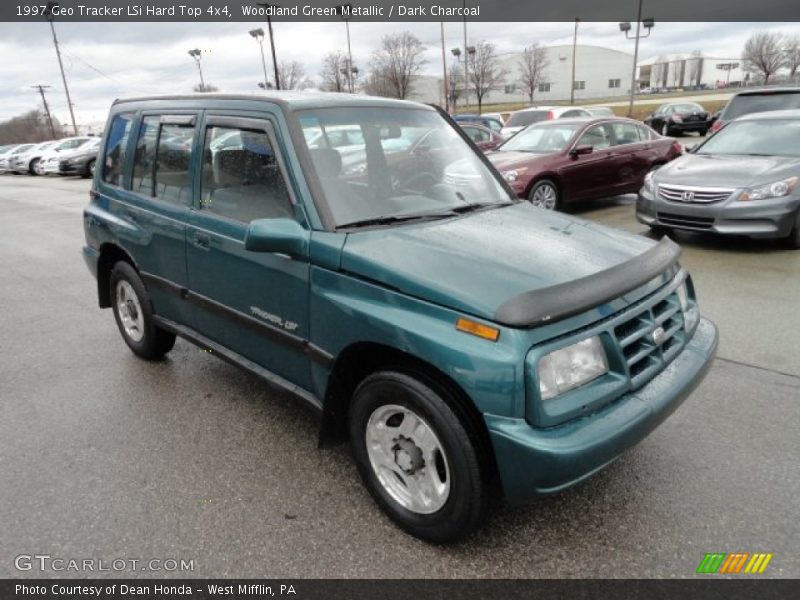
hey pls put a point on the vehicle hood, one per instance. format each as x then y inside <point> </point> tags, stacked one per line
<point>511,159</point>
<point>726,170</point>
<point>478,262</point>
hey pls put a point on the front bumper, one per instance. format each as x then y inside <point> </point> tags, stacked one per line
<point>66,168</point>
<point>535,462</point>
<point>773,218</point>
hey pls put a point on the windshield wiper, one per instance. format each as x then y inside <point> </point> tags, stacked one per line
<point>390,220</point>
<point>468,208</point>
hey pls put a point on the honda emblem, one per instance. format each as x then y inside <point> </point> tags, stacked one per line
<point>687,196</point>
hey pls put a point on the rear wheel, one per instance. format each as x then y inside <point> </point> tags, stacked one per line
<point>90,168</point>
<point>134,314</point>
<point>416,457</point>
<point>33,167</point>
<point>665,129</point>
<point>545,194</point>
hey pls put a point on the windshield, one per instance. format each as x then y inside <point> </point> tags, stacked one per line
<point>526,117</point>
<point>542,138</point>
<point>768,137</point>
<point>753,103</point>
<point>394,165</point>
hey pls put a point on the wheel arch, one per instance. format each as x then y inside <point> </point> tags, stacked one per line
<point>552,176</point>
<point>361,359</point>
<point>110,254</point>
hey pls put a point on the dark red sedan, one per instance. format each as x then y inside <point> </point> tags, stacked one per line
<point>569,160</point>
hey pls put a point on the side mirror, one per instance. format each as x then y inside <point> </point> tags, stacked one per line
<point>282,236</point>
<point>582,149</point>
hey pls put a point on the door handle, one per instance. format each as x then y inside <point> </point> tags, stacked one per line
<point>201,240</point>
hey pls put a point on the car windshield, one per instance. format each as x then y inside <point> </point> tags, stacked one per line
<point>397,165</point>
<point>745,104</point>
<point>542,138</point>
<point>768,137</point>
<point>526,117</point>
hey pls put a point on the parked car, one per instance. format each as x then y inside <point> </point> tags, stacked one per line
<point>81,161</point>
<point>5,153</point>
<point>677,118</point>
<point>758,100</point>
<point>7,159</point>
<point>556,162</point>
<point>527,116</point>
<point>468,344</point>
<point>741,181</point>
<point>601,111</point>
<point>484,138</point>
<point>492,123</point>
<point>49,161</point>
<point>25,162</point>
<point>496,116</point>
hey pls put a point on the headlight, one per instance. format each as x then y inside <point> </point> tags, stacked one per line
<point>691,315</point>
<point>649,186</point>
<point>770,190</point>
<point>571,367</point>
<point>513,174</point>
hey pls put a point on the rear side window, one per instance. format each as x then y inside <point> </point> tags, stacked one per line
<point>241,176</point>
<point>521,119</point>
<point>161,161</point>
<point>625,133</point>
<point>752,103</point>
<point>114,161</point>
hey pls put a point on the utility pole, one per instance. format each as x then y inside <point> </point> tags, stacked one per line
<point>41,89</point>
<point>444,72</point>
<point>48,13</point>
<point>574,50</point>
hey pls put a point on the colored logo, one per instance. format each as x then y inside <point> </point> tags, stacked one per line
<point>734,563</point>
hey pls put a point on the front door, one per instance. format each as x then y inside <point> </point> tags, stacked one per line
<point>251,302</point>
<point>591,175</point>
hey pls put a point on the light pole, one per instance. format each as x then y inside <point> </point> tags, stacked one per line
<point>48,13</point>
<point>344,11</point>
<point>470,51</point>
<point>444,73</point>
<point>195,54</point>
<point>258,35</point>
<point>729,66</point>
<point>574,50</point>
<point>626,29</point>
<point>349,71</point>
<point>267,5</point>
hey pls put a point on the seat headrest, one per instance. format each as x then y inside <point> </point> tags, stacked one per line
<point>327,161</point>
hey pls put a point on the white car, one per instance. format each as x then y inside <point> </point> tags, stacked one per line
<point>8,154</point>
<point>25,162</point>
<point>48,163</point>
<point>520,119</point>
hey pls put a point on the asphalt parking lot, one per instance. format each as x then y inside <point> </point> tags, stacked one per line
<point>105,456</point>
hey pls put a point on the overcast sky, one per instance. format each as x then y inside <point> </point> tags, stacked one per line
<point>104,61</point>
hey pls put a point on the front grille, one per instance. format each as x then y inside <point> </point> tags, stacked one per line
<point>697,195</point>
<point>686,221</point>
<point>646,354</point>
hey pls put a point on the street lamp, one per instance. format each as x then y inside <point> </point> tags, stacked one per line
<point>258,35</point>
<point>728,66</point>
<point>344,11</point>
<point>48,14</point>
<point>470,53</point>
<point>350,71</point>
<point>626,29</point>
<point>196,54</point>
<point>267,6</point>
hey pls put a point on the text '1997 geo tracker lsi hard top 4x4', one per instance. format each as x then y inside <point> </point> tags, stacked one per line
<point>363,254</point>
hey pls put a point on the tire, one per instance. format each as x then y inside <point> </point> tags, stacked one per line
<point>545,194</point>
<point>660,231</point>
<point>90,168</point>
<point>665,129</point>
<point>32,167</point>
<point>793,239</point>
<point>134,314</point>
<point>703,132</point>
<point>436,491</point>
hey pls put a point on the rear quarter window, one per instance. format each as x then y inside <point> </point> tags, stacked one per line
<point>745,104</point>
<point>116,143</point>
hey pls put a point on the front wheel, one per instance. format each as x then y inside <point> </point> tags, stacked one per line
<point>793,240</point>
<point>90,168</point>
<point>545,194</point>
<point>134,315</point>
<point>33,168</point>
<point>665,130</point>
<point>416,457</point>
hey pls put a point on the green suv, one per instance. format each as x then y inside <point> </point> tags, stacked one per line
<point>364,255</point>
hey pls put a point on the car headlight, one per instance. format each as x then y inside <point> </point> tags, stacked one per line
<point>649,186</point>
<point>784,187</point>
<point>571,367</point>
<point>513,174</point>
<point>691,315</point>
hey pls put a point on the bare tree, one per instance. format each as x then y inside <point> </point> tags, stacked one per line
<point>532,64</point>
<point>398,62</point>
<point>377,84</point>
<point>29,127</point>
<point>763,54</point>
<point>485,73</point>
<point>696,67</point>
<point>205,88</point>
<point>791,55</point>
<point>333,72</point>
<point>293,76</point>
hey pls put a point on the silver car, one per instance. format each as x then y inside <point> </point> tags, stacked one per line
<point>741,181</point>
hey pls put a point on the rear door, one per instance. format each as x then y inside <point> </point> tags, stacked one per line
<point>633,156</point>
<point>254,303</point>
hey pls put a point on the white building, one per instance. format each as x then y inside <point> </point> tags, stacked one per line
<point>599,73</point>
<point>687,71</point>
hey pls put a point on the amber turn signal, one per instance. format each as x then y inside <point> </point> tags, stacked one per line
<point>478,329</point>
